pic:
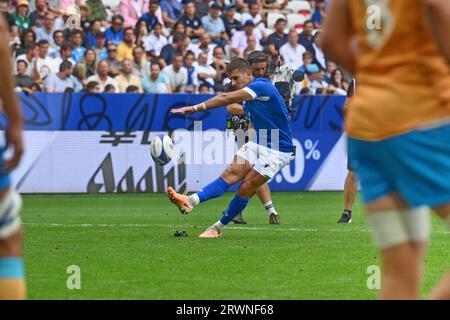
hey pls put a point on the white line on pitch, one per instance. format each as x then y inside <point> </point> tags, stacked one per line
<point>277,228</point>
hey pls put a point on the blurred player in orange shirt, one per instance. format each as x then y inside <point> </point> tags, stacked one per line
<point>398,125</point>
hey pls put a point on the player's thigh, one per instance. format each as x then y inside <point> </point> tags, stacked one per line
<point>237,170</point>
<point>388,202</point>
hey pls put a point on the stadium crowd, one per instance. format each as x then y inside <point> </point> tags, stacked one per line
<point>165,46</point>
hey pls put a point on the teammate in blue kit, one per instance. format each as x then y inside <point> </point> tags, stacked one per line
<point>256,162</point>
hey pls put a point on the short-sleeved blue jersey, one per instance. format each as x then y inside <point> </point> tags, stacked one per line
<point>268,111</point>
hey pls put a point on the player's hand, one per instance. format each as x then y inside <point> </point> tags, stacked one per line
<point>13,136</point>
<point>184,110</point>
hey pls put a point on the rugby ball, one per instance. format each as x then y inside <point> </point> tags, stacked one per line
<point>161,149</point>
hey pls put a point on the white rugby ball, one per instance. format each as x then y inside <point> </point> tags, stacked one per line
<point>161,149</point>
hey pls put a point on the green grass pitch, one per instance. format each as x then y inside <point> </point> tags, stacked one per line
<point>125,248</point>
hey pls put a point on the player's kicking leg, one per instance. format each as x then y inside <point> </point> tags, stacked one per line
<point>12,279</point>
<point>350,190</point>
<point>233,174</point>
<point>251,182</point>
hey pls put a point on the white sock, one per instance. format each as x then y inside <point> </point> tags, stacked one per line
<point>218,225</point>
<point>269,207</point>
<point>194,199</point>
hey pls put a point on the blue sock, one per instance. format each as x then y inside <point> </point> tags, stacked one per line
<point>236,206</point>
<point>213,190</point>
<point>11,267</point>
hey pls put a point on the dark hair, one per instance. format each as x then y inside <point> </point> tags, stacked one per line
<point>307,21</point>
<point>77,31</point>
<point>257,57</point>
<point>137,47</point>
<point>238,64</point>
<point>65,65</point>
<point>176,55</point>
<point>178,36</point>
<point>280,20</point>
<point>333,74</point>
<point>189,53</point>
<point>91,85</point>
<point>305,91</point>
<point>66,46</point>
<point>42,42</point>
<point>24,33</point>
<point>57,31</point>
<point>131,89</point>
<point>117,17</point>
<point>29,47</point>
<point>155,63</point>
<point>204,85</point>
<point>128,28</point>
<point>320,91</point>
<point>22,61</point>
<point>109,87</point>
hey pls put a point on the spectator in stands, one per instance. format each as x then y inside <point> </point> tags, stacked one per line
<point>21,18</point>
<point>37,17</point>
<point>192,76</point>
<point>28,57</point>
<point>191,21</point>
<point>115,33</point>
<point>254,15</point>
<point>292,50</point>
<point>157,82</point>
<point>177,74</point>
<point>171,11</point>
<point>126,77</point>
<point>132,89</point>
<point>96,26</point>
<point>307,59</point>
<point>315,76</point>
<point>102,77</point>
<point>109,88</point>
<point>338,82</point>
<point>331,66</point>
<point>239,40</point>
<point>278,38</point>
<point>85,10</point>
<point>202,7</point>
<point>45,32</point>
<point>99,47</point>
<point>9,18</point>
<point>139,65</point>
<point>23,81</point>
<point>319,55</point>
<point>151,16</point>
<point>203,47</point>
<point>205,89</point>
<point>214,25</point>
<point>87,67</point>
<point>155,41</point>
<point>177,28</point>
<point>274,5</point>
<point>43,63</point>
<point>306,38</point>
<point>113,63</point>
<point>252,45</point>
<point>93,87</point>
<point>305,92</point>
<point>60,81</point>
<point>27,37</point>
<point>318,14</point>
<point>55,46</point>
<point>220,65</point>
<point>132,10</point>
<point>77,45</point>
<point>231,24</point>
<point>98,11</point>
<point>178,46</point>
<point>206,73</point>
<point>65,54</point>
<point>140,32</point>
<point>125,48</point>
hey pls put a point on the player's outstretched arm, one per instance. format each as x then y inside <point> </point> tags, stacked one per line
<point>10,106</point>
<point>220,100</point>
<point>438,16</point>
<point>337,36</point>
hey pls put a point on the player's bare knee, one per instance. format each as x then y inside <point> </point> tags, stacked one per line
<point>246,189</point>
<point>12,246</point>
